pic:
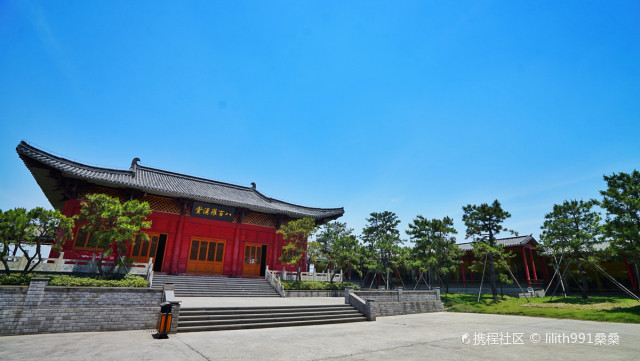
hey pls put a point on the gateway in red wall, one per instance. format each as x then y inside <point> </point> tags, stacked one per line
<point>199,226</point>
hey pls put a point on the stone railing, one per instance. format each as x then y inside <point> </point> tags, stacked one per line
<point>364,306</point>
<point>88,265</point>
<point>309,276</point>
<point>274,282</point>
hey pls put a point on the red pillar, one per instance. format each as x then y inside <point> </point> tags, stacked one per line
<point>236,246</point>
<point>544,268</point>
<point>526,267</point>
<point>533,265</point>
<point>176,245</point>
<point>471,276</point>
<point>630,274</point>
<point>274,252</point>
<point>464,278</point>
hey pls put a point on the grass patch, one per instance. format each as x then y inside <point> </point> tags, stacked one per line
<point>316,285</point>
<point>609,309</point>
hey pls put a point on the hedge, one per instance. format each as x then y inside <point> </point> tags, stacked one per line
<point>316,285</point>
<point>72,281</point>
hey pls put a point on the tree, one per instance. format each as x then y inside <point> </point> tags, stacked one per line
<point>435,246</point>
<point>382,237</point>
<point>22,229</point>
<point>483,223</point>
<point>621,200</point>
<point>296,233</point>
<point>572,229</point>
<point>111,226</point>
<point>338,246</point>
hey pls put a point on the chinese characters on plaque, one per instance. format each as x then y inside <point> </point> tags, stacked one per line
<point>212,211</point>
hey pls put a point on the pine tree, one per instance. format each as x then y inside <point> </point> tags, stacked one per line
<point>483,223</point>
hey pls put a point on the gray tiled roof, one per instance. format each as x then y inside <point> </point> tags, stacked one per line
<point>164,183</point>
<point>505,242</point>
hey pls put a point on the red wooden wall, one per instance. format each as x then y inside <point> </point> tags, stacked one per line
<point>179,234</point>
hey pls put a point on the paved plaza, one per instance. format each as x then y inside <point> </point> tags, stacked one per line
<point>437,336</point>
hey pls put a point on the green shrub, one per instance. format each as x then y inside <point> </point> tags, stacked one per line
<point>16,279</point>
<point>73,281</point>
<point>316,285</point>
<point>70,281</point>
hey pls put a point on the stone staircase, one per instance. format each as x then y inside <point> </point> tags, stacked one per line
<point>215,286</point>
<point>235,318</point>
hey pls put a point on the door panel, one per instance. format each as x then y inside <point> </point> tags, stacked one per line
<point>253,259</point>
<point>206,256</point>
<point>142,251</point>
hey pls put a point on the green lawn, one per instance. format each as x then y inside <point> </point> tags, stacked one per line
<point>610,309</point>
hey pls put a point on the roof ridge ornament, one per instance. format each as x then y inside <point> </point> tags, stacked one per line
<point>134,165</point>
<point>253,185</point>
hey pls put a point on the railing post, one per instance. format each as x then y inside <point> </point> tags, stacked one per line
<point>22,263</point>
<point>169,296</point>
<point>371,313</point>
<point>93,266</point>
<point>150,271</point>
<point>59,263</point>
<point>347,293</point>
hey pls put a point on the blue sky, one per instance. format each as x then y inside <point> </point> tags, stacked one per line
<point>413,107</point>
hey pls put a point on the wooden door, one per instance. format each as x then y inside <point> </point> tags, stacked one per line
<point>206,256</point>
<point>253,259</point>
<point>142,251</point>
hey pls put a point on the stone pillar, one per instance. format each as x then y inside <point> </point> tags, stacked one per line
<point>347,293</point>
<point>400,293</point>
<point>169,296</point>
<point>371,312</point>
<point>35,292</point>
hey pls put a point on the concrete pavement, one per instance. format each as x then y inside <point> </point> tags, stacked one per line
<point>411,337</point>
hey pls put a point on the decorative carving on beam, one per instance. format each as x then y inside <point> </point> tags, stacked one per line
<point>70,187</point>
<point>241,213</point>
<point>185,204</point>
<point>279,220</point>
<point>132,194</point>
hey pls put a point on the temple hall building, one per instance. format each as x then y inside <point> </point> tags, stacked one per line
<point>199,226</point>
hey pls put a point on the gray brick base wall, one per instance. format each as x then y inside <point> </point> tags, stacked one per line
<point>42,309</point>
<point>314,293</point>
<point>44,320</point>
<point>406,307</point>
<point>397,302</point>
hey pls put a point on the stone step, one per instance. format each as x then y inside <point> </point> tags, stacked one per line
<point>289,323</point>
<point>208,286</point>
<point>267,308</point>
<point>292,318</point>
<point>234,316</point>
<point>226,295</point>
